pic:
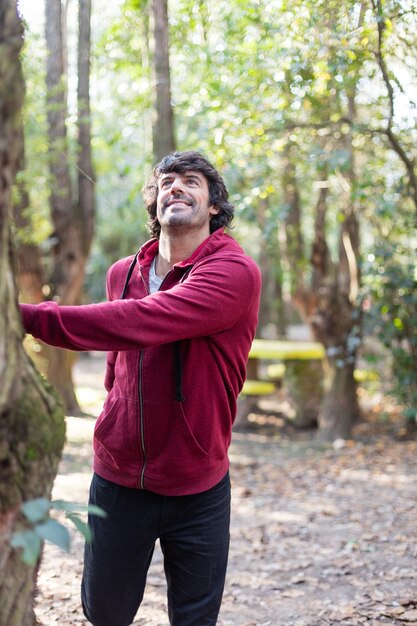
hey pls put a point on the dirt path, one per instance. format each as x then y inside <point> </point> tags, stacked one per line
<point>319,536</point>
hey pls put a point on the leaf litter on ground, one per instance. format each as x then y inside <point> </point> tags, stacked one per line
<point>320,535</point>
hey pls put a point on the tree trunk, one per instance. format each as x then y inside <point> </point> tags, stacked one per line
<point>163,123</point>
<point>32,426</point>
<point>340,407</point>
<point>86,195</point>
<point>73,222</point>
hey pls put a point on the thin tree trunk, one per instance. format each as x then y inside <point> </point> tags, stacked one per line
<point>31,421</point>
<point>73,222</point>
<point>163,123</point>
<point>86,195</point>
<point>68,272</point>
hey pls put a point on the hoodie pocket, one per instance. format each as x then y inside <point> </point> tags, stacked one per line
<point>170,445</point>
<point>116,438</point>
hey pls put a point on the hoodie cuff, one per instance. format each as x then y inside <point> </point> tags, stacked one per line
<point>28,312</point>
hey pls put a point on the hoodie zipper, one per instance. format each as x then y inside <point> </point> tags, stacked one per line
<point>142,430</point>
<point>140,393</point>
<point>140,366</point>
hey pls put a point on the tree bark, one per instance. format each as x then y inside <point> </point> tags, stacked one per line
<point>67,274</point>
<point>163,123</point>
<point>86,195</point>
<point>32,427</point>
<point>73,222</point>
<point>340,407</point>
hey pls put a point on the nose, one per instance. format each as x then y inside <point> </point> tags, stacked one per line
<point>177,186</point>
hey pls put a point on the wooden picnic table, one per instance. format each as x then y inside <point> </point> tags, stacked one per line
<point>303,377</point>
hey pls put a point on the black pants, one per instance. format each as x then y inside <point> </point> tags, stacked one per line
<point>194,537</point>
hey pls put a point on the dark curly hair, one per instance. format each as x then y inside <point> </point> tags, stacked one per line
<point>183,162</point>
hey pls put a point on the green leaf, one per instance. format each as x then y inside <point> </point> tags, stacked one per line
<point>30,542</point>
<point>96,510</point>
<point>72,507</point>
<point>81,526</point>
<point>36,510</point>
<point>63,505</point>
<point>55,532</point>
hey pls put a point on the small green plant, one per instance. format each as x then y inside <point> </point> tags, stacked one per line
<point>42,527</point>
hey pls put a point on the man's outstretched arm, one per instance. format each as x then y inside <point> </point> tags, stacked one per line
<point>212,299</point>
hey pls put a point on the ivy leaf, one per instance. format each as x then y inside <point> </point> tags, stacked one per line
<point>30,542</point>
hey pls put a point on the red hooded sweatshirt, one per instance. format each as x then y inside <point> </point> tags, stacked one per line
<point>175,366</point>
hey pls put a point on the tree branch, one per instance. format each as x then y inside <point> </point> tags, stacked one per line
<point>392,137</point>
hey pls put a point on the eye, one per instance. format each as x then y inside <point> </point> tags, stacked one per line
<point>165,183</point>
<point>193,181</point>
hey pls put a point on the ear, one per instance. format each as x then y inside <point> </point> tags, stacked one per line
<point>213,209</point>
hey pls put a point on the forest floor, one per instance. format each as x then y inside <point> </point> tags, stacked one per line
<point>321,535</point>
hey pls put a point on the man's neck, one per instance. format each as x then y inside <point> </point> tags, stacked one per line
<point>174,249</point>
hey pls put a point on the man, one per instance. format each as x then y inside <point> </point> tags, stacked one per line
<point>178,325</point>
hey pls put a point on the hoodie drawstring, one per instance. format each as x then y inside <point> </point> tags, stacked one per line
<point>177,345</point>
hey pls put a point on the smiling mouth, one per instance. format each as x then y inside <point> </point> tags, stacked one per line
<point>178,202</point>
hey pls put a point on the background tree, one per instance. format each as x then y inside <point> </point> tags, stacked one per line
<point>58,269</point>
<point>163,123</point>
<point>31,420</point>
<point>72,222</point>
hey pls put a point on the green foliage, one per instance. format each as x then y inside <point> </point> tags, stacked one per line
<point>42,527</point>
<point>392,288</point>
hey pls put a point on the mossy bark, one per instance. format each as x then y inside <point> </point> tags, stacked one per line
<point>32,427</point>
<point>32,434</point>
